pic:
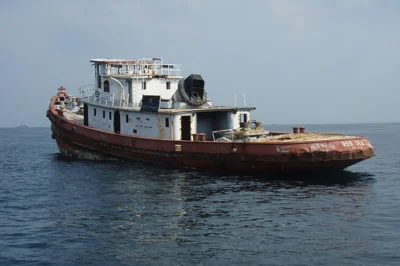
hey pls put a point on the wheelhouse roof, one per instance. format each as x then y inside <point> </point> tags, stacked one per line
<point>119,61</point>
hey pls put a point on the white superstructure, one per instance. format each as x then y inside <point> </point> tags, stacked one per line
<point>149,98</point>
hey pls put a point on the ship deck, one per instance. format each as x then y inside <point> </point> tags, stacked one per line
<point>73,117</point>
<point>302,137</point>
<point>274,137</point>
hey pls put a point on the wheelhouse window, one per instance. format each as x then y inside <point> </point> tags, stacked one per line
<point>144,85</point>
<point>168,85</point>
<point>167,122</point>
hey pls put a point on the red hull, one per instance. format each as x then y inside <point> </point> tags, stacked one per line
<point>80,141</point>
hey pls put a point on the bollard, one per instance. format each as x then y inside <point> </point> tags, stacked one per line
<point>295,130</point>
<point>302,129</point>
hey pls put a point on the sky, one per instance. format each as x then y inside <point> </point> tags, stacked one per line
<point>297,61</point>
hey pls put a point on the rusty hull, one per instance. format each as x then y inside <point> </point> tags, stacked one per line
<point>79,141</point>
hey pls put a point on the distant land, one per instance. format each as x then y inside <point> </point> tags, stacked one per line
<point>22,126</point>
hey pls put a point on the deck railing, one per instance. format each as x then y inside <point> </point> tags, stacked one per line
<point>143,67</point>
<point>89,94</point>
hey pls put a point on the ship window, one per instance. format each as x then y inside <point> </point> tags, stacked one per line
<point>135,131</point>
<point>106,86</point>
<point>167,122</point>
<point>109,115</point>
<point>168,85</point>
<point>104,114</point>
<point>127,118</point>
<point>144,85</point>
<point>94,111</point>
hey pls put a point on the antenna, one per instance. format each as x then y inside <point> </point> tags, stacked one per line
<point>235,99</point>
<point>244,99</point>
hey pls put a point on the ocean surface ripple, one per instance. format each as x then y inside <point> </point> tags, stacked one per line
<point>61,212</point>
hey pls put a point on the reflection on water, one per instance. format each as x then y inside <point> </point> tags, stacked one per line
<point>326,178</point>
<point>153,215</point>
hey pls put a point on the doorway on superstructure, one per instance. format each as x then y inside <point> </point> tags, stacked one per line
<point>106,86</point>
<point>85,114</point>
<point>117,122</point>
<point>130,92</point>
<point>185,127</point>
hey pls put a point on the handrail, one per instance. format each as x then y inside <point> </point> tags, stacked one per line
<point>88,93</point>
<point>144,69</point>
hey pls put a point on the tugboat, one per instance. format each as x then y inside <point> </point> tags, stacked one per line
<point>144,110</point>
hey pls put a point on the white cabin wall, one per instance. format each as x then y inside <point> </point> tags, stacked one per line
<point>145,124</point>
<point>97,121</point>
<point>176,120</point>
<point>194,123</point>
<point>232,121</point>
<point>150,125</point>
<point>153,87</point>
<point>165,132</point>
<point>236,118</point>
<point>127,127</point>
<point>159,87</point>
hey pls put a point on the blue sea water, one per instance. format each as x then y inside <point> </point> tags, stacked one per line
<point>59,212</point>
